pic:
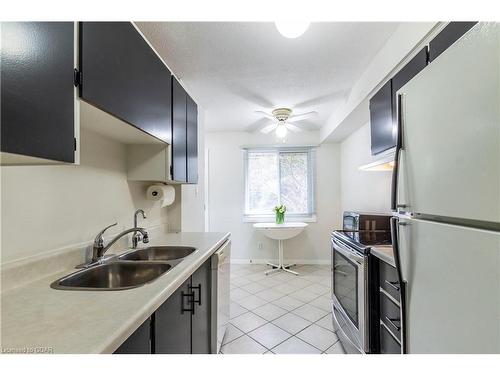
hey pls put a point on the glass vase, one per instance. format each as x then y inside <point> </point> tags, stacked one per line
<point>280,218</point>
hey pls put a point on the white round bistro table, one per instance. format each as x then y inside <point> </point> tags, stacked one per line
<point>280,232</point>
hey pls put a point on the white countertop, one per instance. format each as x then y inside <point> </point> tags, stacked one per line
<point>35,315</point>
<point>384,253</point>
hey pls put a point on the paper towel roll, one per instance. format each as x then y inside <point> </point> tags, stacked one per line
<point>163,193</point>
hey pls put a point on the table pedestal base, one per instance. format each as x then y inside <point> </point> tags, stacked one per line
<point>280,266</point>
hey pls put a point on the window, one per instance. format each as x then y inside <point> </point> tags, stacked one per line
<point>279,176</point>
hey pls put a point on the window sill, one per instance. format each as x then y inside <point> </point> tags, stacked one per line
<point>271,219</point>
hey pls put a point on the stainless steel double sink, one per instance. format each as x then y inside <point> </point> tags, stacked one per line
<point>129,270</point>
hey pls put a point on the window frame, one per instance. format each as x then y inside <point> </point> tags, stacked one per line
<point>310,216</point>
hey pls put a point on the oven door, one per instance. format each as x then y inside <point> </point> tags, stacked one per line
<point>348,281</point>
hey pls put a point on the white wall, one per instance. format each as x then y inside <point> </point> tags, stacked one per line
<point>49,207</point>
<point>362,190</point>
<point>226,198</point>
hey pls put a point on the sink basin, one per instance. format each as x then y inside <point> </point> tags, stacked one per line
<point>283,231</point>
<point>112,276</point>
<point>161,253</point>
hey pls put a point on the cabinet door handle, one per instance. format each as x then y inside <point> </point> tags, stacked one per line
<point>190,300</point>
<point>198,301</point>
<point>393,324</point>
<point>393,284</point>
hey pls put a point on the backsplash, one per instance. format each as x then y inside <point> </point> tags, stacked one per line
<point>45,208</point>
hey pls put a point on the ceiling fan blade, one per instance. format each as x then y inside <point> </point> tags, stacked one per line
<point>256,125</point>
<point>269,128</point>
<point>302,116</point>
<point>265,114</point>
<point>293,128</point>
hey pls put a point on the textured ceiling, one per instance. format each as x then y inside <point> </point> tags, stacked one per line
<point>233,69</point>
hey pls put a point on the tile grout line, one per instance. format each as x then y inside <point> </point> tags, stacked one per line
<point>287,311</point>
<point>331,346</point>
<point>292,335</point>
<point>286,294</point>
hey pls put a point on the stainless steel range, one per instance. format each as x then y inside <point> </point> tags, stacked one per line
<point>350,276</point>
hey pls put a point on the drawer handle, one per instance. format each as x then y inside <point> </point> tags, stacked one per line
<point>392,323</point>
<point>393,284</point>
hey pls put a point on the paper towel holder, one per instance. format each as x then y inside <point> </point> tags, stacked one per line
<point>161,192</point>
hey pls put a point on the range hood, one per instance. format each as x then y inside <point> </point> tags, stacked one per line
<point>381,163</point>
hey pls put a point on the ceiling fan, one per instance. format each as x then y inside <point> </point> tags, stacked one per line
<point>282,119</point>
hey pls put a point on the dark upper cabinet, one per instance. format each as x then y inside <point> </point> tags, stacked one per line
<point>192,141</point>
<point>123,76</point>
<point>173,323</point>
<point>37,89</point>
<point>383,136</point>
<point>383,105</point>
<point>179,132</point>
<point>184,135</point>
<point>449,35</point>
<point>200,320</point>
<point>138,342</point>
<point>401,78</point>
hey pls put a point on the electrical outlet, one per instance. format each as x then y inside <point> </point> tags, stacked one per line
<point>261,245</point>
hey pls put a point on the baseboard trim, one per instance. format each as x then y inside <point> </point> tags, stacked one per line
<point>294,261</point>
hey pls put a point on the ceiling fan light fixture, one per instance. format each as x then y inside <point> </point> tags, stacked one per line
<point>281,131</point>
<point>292,29</point>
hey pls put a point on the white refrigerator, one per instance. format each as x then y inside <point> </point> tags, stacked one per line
<point>446,199</point>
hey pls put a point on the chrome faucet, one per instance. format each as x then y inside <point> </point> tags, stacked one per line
<point>136,238</point>
<point>99,249</point>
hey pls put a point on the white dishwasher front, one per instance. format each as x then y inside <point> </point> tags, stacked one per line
<point>220,265</point>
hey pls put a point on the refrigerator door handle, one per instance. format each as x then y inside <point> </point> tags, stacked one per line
<point>399,145</point>
<point>395,246</point>
<point>402,284</point>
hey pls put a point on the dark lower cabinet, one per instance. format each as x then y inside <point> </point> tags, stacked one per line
<point>172,331</point>
<point>386,327</point>
<point>390,316</point>
<point>122,75</point>
<point>200,320</point>
<point>388,279</point>
<point>181,325</point>
<point>388,344</point>
<point>449,35</point>
<point>37,90</point>
<point>139,342</point>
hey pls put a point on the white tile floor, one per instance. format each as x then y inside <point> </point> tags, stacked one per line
<point>280,313</point>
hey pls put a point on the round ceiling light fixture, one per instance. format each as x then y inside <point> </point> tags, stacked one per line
<point>281,130</point>
<point>292,29</point>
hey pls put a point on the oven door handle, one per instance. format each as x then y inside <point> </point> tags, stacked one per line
<point>348,253</point>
